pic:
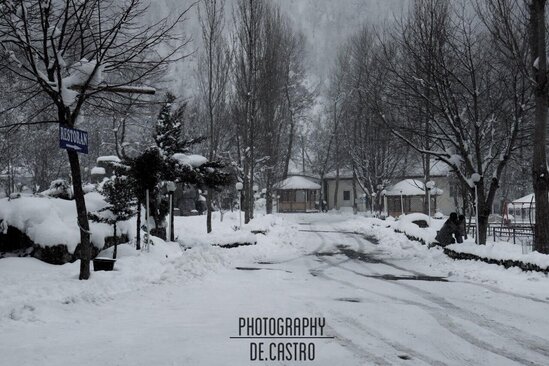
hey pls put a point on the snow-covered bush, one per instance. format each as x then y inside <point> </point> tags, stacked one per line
<point>59,188</point>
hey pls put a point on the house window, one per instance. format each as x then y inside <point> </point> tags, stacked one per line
<point>346,195</point>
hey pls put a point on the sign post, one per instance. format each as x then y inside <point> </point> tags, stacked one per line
<point>73,139</point>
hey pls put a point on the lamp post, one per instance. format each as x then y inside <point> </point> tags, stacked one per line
<point>239,187</point>
<point>430,185</point>
<point>171,187</point>
<point>373,198</point>
<point>401,204</point>
<point>255,188</point>
<point>475,178</point>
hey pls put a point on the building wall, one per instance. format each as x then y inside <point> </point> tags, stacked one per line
<point>444,202</point>
<point>344,185</point>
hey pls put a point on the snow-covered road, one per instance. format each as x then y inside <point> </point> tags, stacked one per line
<point>380,310</point>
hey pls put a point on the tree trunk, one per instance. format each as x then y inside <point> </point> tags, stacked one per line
<point>82,215</point>
<point>208,212</point>
<point>115,243</point>
<point>138,233</point>
<point>336,190</point>
<point>355,207</point>
<point>540,175</point>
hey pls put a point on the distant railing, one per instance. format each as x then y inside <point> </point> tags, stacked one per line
<point>517,232</point>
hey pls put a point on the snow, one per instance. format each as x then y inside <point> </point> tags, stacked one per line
<point>52,221</point>
<point>97,170</point>
<point>172,307</point>
<point>410,187</point>
<point>526,201</point>
<point>193,160</point>
<point>108,158</point>
<point>503,251</point>
<point>296,182</point>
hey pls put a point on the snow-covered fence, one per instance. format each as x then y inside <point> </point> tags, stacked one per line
<point>518,233</point>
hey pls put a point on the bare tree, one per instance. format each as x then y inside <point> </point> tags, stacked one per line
<point>214,67</point>
<point>249,17</point>
<point>473,128</point>
<point>71,52</point>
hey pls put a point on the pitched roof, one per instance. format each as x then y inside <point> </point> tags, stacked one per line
<point>296,182</point>
<point>410,187</point>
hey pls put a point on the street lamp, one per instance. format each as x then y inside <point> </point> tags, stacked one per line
<point>401,204</point>
<point>430,185</point>
<point>255,188</point>
<point>170,187</point>
<point>475,178</point>
<point>239,187</point>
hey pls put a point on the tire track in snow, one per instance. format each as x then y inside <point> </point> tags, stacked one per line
<point>346,342</point>
<point>528,341</point>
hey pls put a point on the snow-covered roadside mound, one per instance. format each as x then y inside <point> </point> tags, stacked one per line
<point>35,291</point>
<point>52,221</point>
<point>32,289</point>
<point>503,253</point>
<point>415,256</point>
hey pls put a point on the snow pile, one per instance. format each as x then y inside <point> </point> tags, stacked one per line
<point>192,160</point>
<point>108,158</point>
<point>502,251</point>
<point>405,225</point>
<point>31,288</point>
<point>80,73</point>
<point>51,221</point>
<point>97,170</point>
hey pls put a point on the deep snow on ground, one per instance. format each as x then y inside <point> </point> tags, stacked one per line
<point>174,307</point>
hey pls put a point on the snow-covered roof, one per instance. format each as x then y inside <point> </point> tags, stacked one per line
<point>193,160</point>
<point>524,201</point>
<point>410,187</point>
<point>108,158</point>
<point>296,182</point>
<point>97,170</point>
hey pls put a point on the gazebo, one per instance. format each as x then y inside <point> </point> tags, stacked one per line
<point>523,208</point>
<point>297,194</point>
<point>408,196</point>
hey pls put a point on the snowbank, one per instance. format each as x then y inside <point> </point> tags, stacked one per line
<point>193,160</point>
<point>501,252</point>
<point>51,221</point>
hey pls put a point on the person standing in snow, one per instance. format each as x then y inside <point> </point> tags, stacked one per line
<point>462,229</point>
<point>450,228</point>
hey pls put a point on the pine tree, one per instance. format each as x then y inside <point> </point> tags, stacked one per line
<point>120,196</point>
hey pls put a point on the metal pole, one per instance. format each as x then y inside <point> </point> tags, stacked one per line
<point>148,225</point>
<point>170,229</point>
<point>476,211</point>
<point>401,204</point>
<point>172,238</point>
<point>240,210</point>
<point>429,203</point>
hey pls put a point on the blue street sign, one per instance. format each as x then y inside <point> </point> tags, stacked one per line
<point>73,139</point>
